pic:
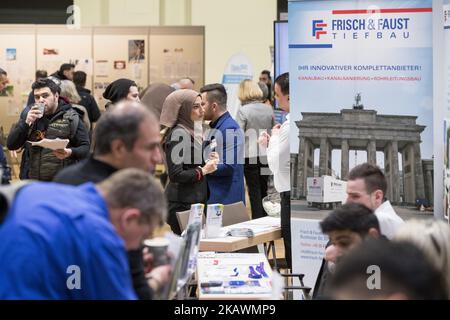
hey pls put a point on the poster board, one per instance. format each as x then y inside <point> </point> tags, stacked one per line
<point>17,58</point>
<point>362,71</point>
<point>128,59</point>
<point>310,243</point>
<point>56,45</point>
<point>104,53</point>
<point>175,53</point>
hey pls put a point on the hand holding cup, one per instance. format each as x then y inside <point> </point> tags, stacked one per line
<point>210,166</point>
<point>263,139</point>
<point>157,248</point>
<point>36,112</point>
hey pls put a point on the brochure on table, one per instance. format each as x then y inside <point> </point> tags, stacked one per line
<point>234,274</point>
<point>257,226</point>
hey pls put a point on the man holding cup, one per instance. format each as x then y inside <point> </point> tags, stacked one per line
<point>50,118</point>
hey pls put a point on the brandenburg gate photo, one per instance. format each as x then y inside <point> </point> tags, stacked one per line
<point>359,129</point>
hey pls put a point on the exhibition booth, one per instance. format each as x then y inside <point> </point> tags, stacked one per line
<point>369,82</point>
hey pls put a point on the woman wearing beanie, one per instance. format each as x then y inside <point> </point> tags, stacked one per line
<point>121,89</point>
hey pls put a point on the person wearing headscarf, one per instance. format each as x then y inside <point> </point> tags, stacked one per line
<point>182,114</point>
<point>121,89</point>
<point>154,95</point>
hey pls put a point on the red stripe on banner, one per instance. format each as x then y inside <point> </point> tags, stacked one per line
<point>319,33</point>
<point>364,11</point>
<point>321,25</point>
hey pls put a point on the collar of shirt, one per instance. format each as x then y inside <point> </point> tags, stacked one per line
<point>101,166</point>
<point>218,120</point>
<point>386,207</point>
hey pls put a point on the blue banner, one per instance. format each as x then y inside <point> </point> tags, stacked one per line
<point>379,49</point>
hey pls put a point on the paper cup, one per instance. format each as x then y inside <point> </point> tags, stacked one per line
<point>40,107</point>
<point>158,247</point>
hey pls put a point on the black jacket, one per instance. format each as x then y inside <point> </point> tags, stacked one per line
<point>43,164</point>
<point>88,101</point>
<point>92,170</point>
<point>186,184</point>
<point>88,170</point>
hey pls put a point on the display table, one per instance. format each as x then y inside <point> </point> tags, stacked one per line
<point>233,276</point>
<point>266,229</point>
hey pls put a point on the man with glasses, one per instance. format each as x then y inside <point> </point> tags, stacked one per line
<point>57,120</point>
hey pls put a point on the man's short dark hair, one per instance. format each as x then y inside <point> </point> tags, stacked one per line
<point>3,72</point>
<point>46,83</point>
<point>41,74</point>
<point>403,269</point>
<point>267,72</point>
<point>119,124</point>
<point>283,81</point>
<point>372,175</point>
<point>79,78</point>
<point>66,66</point>
<point>216,93</point>
<point>354,217</point>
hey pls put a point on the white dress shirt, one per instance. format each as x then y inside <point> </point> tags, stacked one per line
<point>389,220</point>
<point>278,157</point>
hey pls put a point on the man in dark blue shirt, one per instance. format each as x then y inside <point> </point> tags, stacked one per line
<point>64,242</point>
<point>226,184</point>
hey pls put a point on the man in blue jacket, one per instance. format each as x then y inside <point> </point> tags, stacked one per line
<point>226,185</point>
<point>69,243</point>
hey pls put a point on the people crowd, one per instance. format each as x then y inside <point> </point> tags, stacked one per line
<point>92,202</point>
<point>69,212</point>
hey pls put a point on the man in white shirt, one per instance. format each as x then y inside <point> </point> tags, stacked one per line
<point>278,158</point>
<point>367,185</point>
